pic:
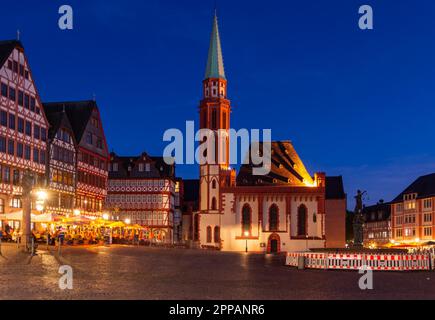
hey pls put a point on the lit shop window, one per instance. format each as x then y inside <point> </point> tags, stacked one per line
<point>15,203</point>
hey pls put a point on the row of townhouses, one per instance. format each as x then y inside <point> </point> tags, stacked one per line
<point>407,219</point>
<point>64,146</point>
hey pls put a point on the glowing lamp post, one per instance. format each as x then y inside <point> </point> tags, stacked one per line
<point>246,236</point>
<point>27,193</point>
<point>127,221</point>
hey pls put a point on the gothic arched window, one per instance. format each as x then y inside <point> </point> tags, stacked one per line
<point>217,234</point>
<point>208,234</point>
<point>273,218</point>
<point>213,184</point>
<point>196,228</point>
<point>246,220</point>
<point>213,204</point>
<point>302,220</point>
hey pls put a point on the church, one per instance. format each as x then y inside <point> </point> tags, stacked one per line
<point>286,210</point>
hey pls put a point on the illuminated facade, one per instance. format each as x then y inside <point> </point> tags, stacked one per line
<point>23,126</point>
<point>282,211</point>
<point>412,212</point>
<point>143,190</point>
<point>91,153</point>
<point>61,165</point>
<point>377,225</point>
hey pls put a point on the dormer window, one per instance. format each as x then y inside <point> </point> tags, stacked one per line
<point>141,167</point>
<point>115,167</point>
<point>147,167</point>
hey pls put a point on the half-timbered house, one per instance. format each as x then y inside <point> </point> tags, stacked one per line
<point>61,165</point>
<point>23,125</point>
<point>143,190</point>
<point>92,154</point>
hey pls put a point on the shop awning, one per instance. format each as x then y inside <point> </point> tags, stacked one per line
<point>18,215</point>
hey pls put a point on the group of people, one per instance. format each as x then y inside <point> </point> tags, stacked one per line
<point>9,234</point>
<point>81,235</point>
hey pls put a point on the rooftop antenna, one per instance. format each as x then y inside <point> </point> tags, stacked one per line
<point>18,34</point>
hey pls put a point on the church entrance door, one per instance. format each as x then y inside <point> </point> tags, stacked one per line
<point>274,244</point>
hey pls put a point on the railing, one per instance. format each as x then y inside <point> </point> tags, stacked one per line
<point>381,262</point>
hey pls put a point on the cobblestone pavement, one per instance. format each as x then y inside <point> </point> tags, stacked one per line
<point>119,272</point>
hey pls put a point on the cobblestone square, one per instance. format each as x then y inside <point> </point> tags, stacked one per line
<point>121,272</point>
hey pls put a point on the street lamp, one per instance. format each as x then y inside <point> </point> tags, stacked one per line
<point>246,236</point>
<point>105,216</point>
<point>127,221</point>
<point>76,212</point>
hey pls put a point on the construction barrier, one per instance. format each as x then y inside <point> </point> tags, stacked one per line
<point>345,261</point>
<point>381,262</point>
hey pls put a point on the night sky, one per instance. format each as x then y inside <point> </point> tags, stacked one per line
<point>355,103</point>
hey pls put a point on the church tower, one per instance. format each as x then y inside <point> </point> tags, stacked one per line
<point>215,109</point>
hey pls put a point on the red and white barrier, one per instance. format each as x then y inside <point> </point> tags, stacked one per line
<point>381,262</point>
<point>345,261</point>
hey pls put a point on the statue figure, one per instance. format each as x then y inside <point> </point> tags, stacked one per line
<point>358,220</point>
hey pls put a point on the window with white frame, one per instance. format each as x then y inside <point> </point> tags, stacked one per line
<point>427,203</point>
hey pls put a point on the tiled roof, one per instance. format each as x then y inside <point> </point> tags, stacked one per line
<point>128,167</point>
<point>424,187</point>
<point>6,48</point>
<point>286,168</point>
<point>377,212</point>
<point>79,113</point>
<point>334,188</point>
<point>57,120</point>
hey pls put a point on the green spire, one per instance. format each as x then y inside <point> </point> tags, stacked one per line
<point>215,62</point>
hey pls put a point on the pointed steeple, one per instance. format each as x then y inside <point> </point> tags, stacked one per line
<point>215,62</point>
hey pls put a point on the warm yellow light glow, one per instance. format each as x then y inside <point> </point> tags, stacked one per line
<point>76,212</point>
<point>310,184</point>
<point>41,195</point>
<point>127,221</point>
<point>246,234</point>
<point>417,239</point>
<point>105,216</point>
<point>39,207</point>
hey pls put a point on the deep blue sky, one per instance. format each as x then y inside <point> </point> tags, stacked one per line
<point>356,103</point>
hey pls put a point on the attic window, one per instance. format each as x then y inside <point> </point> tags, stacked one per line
<point>115,167</point>
<point>95,122</point>
<point>141,167</point>
<point>147,167</point>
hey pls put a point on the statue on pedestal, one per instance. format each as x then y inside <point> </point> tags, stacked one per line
<point>358,220</point>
